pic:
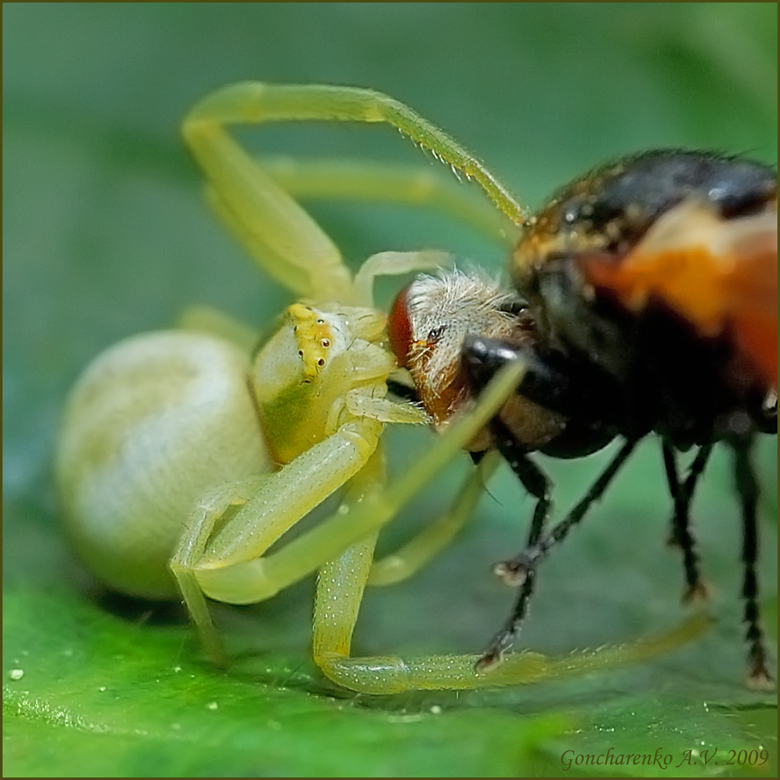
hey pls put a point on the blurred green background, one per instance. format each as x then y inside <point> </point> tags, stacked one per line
<point>105,234</point>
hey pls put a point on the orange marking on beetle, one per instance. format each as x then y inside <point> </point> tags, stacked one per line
<point>721,275</point>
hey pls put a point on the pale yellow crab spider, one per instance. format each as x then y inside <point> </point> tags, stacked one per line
<point>185,455</point>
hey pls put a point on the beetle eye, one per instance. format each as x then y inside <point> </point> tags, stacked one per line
<point>436,334</point>
<point>399,329</point>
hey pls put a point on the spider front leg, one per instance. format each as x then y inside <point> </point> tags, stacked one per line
<point>412,556</point>
<point>222,553</point>
<point>339,593</point>
<point>342,581</point>
<point>374,182</point>
<point>263,215</point>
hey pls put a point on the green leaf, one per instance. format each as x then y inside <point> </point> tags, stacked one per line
<point>106,234</point>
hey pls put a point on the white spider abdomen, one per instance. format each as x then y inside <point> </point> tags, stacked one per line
<point>154,422</point>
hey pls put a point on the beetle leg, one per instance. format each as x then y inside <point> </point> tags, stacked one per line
<point>680,534</point>
<point>758,676</point>
<point>517,571</point>
<point>596,491</point>
<point>536,482</point>
<point>522,568</point>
